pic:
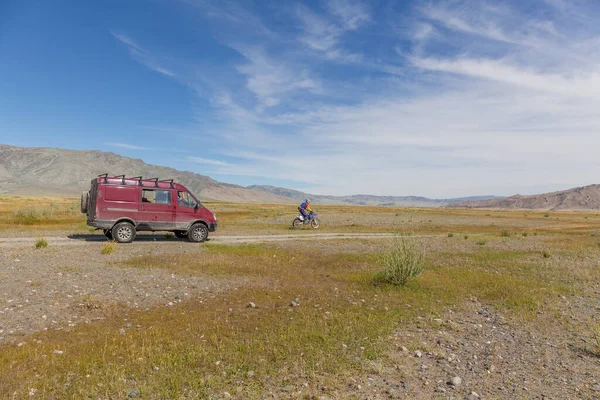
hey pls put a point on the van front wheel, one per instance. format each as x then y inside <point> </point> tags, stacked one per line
<point>123,232</point>
<point>198,233</point>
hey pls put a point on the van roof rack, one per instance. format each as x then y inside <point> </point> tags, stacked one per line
<point>140,180</point>
<point>155,181</point>
<point>170,182</point>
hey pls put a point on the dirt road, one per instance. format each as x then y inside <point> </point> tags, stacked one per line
<point>82,239</point>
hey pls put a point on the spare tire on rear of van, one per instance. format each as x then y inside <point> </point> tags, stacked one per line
<point>85,201</point>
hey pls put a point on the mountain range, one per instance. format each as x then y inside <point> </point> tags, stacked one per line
<point>61,172</point>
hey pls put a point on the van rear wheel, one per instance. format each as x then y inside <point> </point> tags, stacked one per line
<point>123,232</point>
<point>198,233</point>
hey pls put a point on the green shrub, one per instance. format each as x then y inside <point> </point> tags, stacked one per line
<point>505,233</point>
<point>545,254</point>
<point>466,237</point>
<point>403,261</point>
<point>109,247</point>
<point>41,243</point>
<point>546,215</point>
<point>451,235</point>
<point>525,234</point>
<point>481,242</point>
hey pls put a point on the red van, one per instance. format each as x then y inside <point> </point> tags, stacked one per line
<point>121,206</point>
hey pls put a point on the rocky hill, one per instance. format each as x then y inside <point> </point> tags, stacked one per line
<point>58,172</point>
<point>577,199</point>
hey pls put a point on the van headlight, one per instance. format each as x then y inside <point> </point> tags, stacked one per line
<point>215,216</point>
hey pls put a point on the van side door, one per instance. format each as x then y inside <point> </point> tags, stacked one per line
<point>157,211</point>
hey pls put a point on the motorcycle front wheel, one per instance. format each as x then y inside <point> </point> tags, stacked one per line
<point>315,223</point>
<point>296,223</point>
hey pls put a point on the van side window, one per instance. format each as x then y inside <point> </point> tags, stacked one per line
<point>156,196</point>
<point>186,200</point>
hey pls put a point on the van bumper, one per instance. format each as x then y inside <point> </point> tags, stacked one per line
<point>212,226</point>
<point>101,224</point>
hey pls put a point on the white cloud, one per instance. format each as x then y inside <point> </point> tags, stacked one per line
<point>526,77</point>
<point>350,13</point>
<point>142,56</point>
<point>268,79</point>
<point>323,33</point>
<point>201,160</point>
<point>129,146</point>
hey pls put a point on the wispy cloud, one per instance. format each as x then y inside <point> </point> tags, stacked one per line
<point>270,79</point>
<point>323,33</point>
<point>201,160</point>
<point>129,146</point>
<point>350,13</point>
<point>142,56</point>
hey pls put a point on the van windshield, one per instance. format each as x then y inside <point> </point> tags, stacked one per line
<point>185,199</point>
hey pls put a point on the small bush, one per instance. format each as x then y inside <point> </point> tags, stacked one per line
<point>545,254</point>
<point>109,247</point>
<point>451,235</point>
<point>402,262</point>
<point>546,215</point>
<point>41,243</point>
<point>525,234</point>
<point>597,339</point>
<point>481,242</point>
<point>505,233</point>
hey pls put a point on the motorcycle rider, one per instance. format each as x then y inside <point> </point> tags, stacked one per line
<point>305,208</point>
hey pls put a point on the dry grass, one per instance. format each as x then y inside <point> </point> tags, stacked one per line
<point>20,212</point>
<point>596,338</point>
<point>41,243</point>
<point>108,247</point>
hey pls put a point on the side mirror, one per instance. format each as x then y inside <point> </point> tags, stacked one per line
<point>196,207</point>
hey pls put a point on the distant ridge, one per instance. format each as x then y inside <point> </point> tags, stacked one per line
<point>576,199</point>
<point>60,172</point>
<point>364,199</point>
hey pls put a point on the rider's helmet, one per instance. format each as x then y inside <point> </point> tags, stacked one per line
<point>307,201</point>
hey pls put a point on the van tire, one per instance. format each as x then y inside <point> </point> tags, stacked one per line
<point>198,233</point>
<point>85,201</point>
<point>123,232</point>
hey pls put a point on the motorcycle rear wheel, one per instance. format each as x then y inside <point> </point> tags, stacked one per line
<point>296,223</point>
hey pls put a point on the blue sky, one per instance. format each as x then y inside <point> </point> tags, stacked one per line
<point>440,98</point>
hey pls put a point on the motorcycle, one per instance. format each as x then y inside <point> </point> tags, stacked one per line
<point>311,220</point>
